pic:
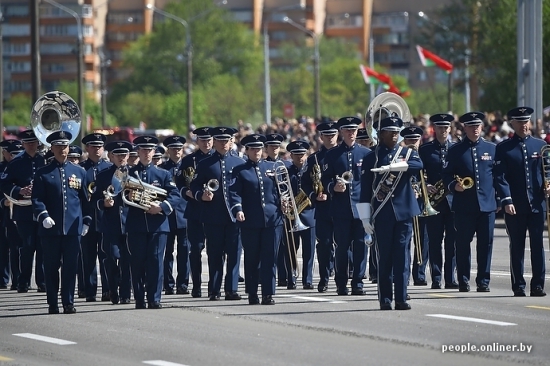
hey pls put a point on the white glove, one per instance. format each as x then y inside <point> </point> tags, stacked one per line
<point>85,229</point>
<point>364,211</point>
<point>48,223</point>
<point>402,166</point>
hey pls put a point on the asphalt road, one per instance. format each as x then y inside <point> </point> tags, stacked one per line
<point>303,328</point>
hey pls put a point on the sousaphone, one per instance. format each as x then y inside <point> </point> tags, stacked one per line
<point>386,105</point>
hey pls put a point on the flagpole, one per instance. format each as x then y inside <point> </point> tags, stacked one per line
<point>450,96</point>
<point>371,65</point>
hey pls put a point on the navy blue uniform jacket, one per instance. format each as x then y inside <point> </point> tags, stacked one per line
<point>176,219</point>
<point>113,221</point>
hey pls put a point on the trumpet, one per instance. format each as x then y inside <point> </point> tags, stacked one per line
<point>465,182</point>
<point>346,178</point>
<point>212,185</point>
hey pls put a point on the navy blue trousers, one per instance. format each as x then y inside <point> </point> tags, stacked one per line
<point>146,263</point>
<point>223,243</point>
<point>439,226</point>
<point>260,246</point>
<point>4,259</point>
<point>117,264</point>
<point>305,238</point>
<point>392,240</point>
<point>481,224</point>
<point>195,234</point>
<point>14,241</point>
<point>349,235</point>
<point>517,226</point>
<point>182,260</point>
<point>30,243</point>
<point>419,270</point>
<point>60,251</point>
<point>324,230</point>
<point>91,251</point>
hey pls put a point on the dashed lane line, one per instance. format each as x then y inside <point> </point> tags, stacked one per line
<point>162,363</point>
<point>441,295</point>
<point>42,338</point>
<point>538,307</point>
<point>309,298</point>
<point>468,319</point>
<point>2,358</point>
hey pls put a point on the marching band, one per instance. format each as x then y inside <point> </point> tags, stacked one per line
<point>370,190</point>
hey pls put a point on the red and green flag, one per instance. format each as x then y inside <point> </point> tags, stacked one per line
<point>429,59</point>
<point>374,77</point>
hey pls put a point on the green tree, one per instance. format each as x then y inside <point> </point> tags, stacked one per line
<point>17,110</point>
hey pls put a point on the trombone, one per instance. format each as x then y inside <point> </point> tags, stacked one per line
<point>282,179</point>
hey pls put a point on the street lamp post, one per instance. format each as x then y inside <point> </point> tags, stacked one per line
<point>467,52</point>
<point>316,61</point>
<point>189,55</point>
<point>79,64</point>
<point>104,63</point>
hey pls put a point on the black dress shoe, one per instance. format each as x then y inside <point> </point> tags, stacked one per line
<point>215,297</point>
<point>291,286</point>
<point>402,306</point>
<point>358,292</point>
<point>451,286</point>
<point>483,288</point>
<point>169,291</point>
<point>125,301</point>
<point>308,286</point>
<point>114,297</point>
<point>182,291</point>
<point>81,294</point>
<point>232,296</point>
<point>436,285</point>
<point>385,307</point>
<point>53,309</point>
<point>141,305</point>
<point>342,291</point>
<point>105,296</point>
<point>241,279</point>
<point>13,287</point>
<point>268,300</point>
<point>90,299</point>
<point>420,283</point>
<point>538,292</point>
<point>41,288</point>
<point>464,288</point>
<point>22,290</point>
<point>281,283</point>
<point>519,293</point>
<point>196,294</point>
<point>322,288</point>
<point>374,280</point>
<point>69,309</point>
<point>253,300</point>
<point>155,305</point>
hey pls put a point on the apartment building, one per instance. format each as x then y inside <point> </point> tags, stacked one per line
<point>109,25</point>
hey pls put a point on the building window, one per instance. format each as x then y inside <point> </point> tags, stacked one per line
<point>88,31</point>
<point>57,48</point>
<point>401,72</point>
<point>50,11</point>
<point>394,38</point>
<point>16,10</point>
<point>19,86</point>
<point>279,35</point>
<point>242,15</point>
<point>15,67</point>
<point>13,49</point>
<point>399,56</point>
<point>59,30</point>
<point>122,36</point>
<point>344,21</point>
<point>88,49</point>
<point>422,76</point>
<point>15,30</point>
<point>125,17</point>
<point>87,11</point>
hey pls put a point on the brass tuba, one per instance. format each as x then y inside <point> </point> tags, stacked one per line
<point>52,112</point>
<point>386,105</point>
<point>136,193</point>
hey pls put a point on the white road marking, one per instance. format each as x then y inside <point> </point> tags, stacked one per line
<point>468,319</point>
<point>162,363</point>
<point>308,298</point>
<point>507,274</point>
<point>38,337</point>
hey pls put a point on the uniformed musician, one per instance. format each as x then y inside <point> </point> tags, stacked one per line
<point>195,230</point>
<point>388,201</point>
<point>474,208</point>
<point>434,155</point>
<point>324,229</point>
<point>342,178</point>
<point>157,156</point>
<point>178,225</point>
<point>363,137</point>
<point>92,249</point>
<point>17,182</point>
<point>133,157</point>
<point>106,198</point>
<point>412,138</point>
<point>272,144</point>
<point>148,230</point>
<point>521,186</point>
<point>256,205</point>
<point>75,153</point>
<point>220,226</point>
<point>306,238</point>
<point>60,205</point>
<point>9,238</point>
